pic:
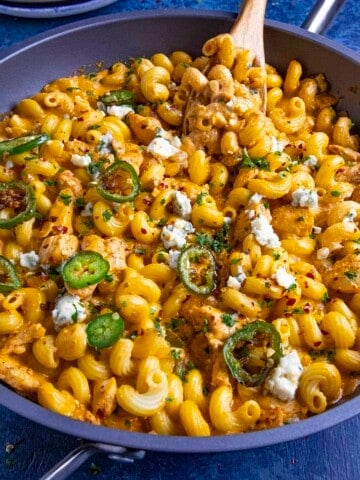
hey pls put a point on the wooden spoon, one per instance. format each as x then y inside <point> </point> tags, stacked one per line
<point>248,33</point>
<point>248,29</point>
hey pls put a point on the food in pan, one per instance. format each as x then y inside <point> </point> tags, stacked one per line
<point>175,260</point>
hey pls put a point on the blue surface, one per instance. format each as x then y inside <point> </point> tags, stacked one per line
<point>28,450</point>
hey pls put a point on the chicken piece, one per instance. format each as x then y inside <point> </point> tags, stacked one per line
<point>104,402</point>
<point>344,275</point>
<point>349,174</point>
<point>18,376</point>
<point>114,249</point>
<point>82,293</point>
<point>56,249</point>
<point>274,413</point>
<point>220,373</point>
<point>84,415</point>
<point>67,179</point>
<point>17,343</point>
<point>346,152</point>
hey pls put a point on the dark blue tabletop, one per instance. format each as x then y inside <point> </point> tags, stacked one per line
<point>28,450</point>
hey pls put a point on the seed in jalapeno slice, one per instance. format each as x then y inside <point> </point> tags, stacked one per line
<point>251,352</point>
<point>104,330</point>
<point>197,270</point>
<point>85,268</point>
<point>119,183</point>
<point>18,197</point>
<point>22,144</point>
<point>9,280</point>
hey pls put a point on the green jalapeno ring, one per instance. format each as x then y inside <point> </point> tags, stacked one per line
<point>9,279</point>
<point>109,179</point>
<point>193,255</point>
<point>84,269</point>
<point>247,335</point>
<point>22,144</point>
<point>118,97</point>
<point>9,198</point>
<point>104,330</point>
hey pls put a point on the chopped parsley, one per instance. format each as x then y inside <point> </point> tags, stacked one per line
<point>219,242</point>
<point>253,162</point>
<point>228,319</point>
<point>200,198</point>
<point>335,193</point>
<point>106,215</point>
<point>66,198</point>
<point>350,275</point>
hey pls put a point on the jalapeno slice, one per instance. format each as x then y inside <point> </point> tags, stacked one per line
<point>9,280</point>
<point>241,352</point>
<point>104,330</point>
<point>119,183</point>
<point>197,270</point>
<point>22,144</point>
<point>19,197</point>
<point>118,97</point>
<point>85,268</point>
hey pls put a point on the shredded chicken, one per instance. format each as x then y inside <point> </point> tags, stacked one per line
<point>18,376</point>
<point>114,249</point>
<point>56,249</point>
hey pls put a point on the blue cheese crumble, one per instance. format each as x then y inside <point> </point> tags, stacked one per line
<point>67,310</point>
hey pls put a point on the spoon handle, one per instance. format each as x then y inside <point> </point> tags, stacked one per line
<point>248,29</point>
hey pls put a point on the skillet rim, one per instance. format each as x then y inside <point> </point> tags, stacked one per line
<point>176,444</point>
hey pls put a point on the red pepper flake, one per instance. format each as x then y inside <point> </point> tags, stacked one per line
<point>307,308</point>
<point>310,275</point>
<point>317,344</point>
<point>290,302</point>
<point>59,229</point>
<point>143,230</point>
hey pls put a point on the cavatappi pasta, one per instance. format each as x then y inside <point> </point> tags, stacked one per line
<point>174,259</point>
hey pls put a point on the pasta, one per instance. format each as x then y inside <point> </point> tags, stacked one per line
<point>174,260</point>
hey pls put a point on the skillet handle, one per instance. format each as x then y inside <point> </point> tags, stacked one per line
<point>78,456</point>
<point>321,15</point>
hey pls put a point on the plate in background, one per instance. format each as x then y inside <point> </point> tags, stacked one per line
<point>41,10</point>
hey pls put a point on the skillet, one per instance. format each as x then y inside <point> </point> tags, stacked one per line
<point>174,29</point>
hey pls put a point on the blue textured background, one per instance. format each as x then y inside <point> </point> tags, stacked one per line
<point>332,454</point>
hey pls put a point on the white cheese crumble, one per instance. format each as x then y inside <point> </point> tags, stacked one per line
<point>67,310</point>
<point>80,160</point>
<point>278,145</point>
<point>350,217</point>
<point>284,379</point>
<point>255,198</point>
<point>316,230</point>
<point>283,278</point>
<point>236,281</point>
<point>161,148</point>
<point>323,253</point>
<point>263,231</point>
<point>174,235</point>
<point>9,164</point>
<point>29,260</point>
<point>104,146</point>
<point>119,111</point>
<point>182,205</point>
<point>304,197</point>
<point>88,210</point>
<point>311,161</point>
<point>173,258</point>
